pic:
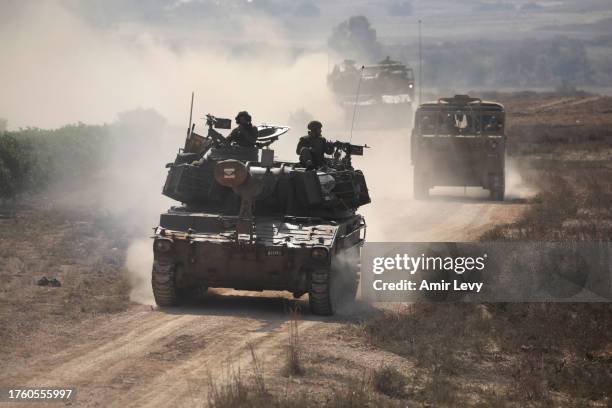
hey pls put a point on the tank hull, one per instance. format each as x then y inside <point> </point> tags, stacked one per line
<point>199,250</point>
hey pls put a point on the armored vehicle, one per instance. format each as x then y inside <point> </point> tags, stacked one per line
<point>250,222</point>
<point>459,141</point>
<point>381,94</point>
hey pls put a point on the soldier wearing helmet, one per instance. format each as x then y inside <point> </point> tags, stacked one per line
<point>245,135</point>
<point>313,147</point>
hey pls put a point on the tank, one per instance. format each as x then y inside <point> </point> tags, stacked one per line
<point>249,222</point>
<point>459,141</point>
<point>380,95</point>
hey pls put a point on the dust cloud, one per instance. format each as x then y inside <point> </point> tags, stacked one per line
<point>65,70</point>
<point>138,263</point>
<point>59,68</point>
<point>516,187</point>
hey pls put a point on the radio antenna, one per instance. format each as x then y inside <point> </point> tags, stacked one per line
<point>191,126</point>
<point>420,66</point>
<point>356,101</point>
<point>190,116</point>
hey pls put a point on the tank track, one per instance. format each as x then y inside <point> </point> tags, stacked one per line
<point>327,292</point>
<point>164,284</point>
<point>319,295</point>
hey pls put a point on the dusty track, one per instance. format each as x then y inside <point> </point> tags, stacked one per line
<point>161,358</point>
<point>146,357</point>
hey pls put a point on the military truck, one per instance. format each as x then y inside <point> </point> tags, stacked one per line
<point>380,94</point>
<point>250,222</point>
<point>459,141</point>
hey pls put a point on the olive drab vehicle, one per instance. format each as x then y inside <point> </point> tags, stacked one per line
<point>250,222</point>
<point>382,94</point>
<point>459,141</point>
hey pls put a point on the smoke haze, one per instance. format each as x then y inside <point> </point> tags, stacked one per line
<point>66,70</point>
<point>58,67</point>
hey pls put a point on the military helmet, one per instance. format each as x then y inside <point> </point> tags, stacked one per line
<point>245,114</point>
<point>314,124</point>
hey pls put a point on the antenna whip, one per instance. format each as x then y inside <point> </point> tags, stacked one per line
<point>356,101</point>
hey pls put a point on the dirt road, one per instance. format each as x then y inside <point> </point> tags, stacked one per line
<point>147,357</point>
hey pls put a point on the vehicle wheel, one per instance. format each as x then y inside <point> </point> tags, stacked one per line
<point>163,281</point>
<point>421,189</point>
<point>497,187</point>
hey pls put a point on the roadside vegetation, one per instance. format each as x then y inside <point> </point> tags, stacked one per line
<point>32,158</point>
<point>250,390</point>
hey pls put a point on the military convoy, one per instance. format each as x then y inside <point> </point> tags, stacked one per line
<point>250,222</point>
<point>459,141</point>
<point>381,94</point>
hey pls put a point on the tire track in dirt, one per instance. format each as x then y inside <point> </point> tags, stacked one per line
<point>115,365</point>
<point>189,385</point>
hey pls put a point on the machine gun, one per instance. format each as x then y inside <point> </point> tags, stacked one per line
<point>199,144</point>
<point>349,150</point>
<point>196,143</point>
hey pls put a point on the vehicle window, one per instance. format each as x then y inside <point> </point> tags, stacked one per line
<point>428,123</point>
<point>460,122</point>
<point>492,122</point>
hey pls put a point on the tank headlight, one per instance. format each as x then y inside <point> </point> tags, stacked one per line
<point>319,253</point>
<point>162,245</point>
<point>410,86</point>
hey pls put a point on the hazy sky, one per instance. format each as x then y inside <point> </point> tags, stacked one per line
<point>65,61</point>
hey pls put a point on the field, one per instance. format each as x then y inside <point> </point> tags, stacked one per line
<point>267,350</point>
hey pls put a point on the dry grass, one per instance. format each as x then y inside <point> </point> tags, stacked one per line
<point>239,390</point>
<point>389,381</point>
<point>293,363</point>
<point>529,353</point>
<point>358,392</point>
<point>573,204</point>
<point>85,256</point>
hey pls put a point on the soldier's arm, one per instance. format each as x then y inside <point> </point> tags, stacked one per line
<point>233,136</point>
<point>253,135</point>
<point>300,145</point>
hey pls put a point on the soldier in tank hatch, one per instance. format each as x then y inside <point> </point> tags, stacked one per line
<point>245,135</point>
<point>313,147</point>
